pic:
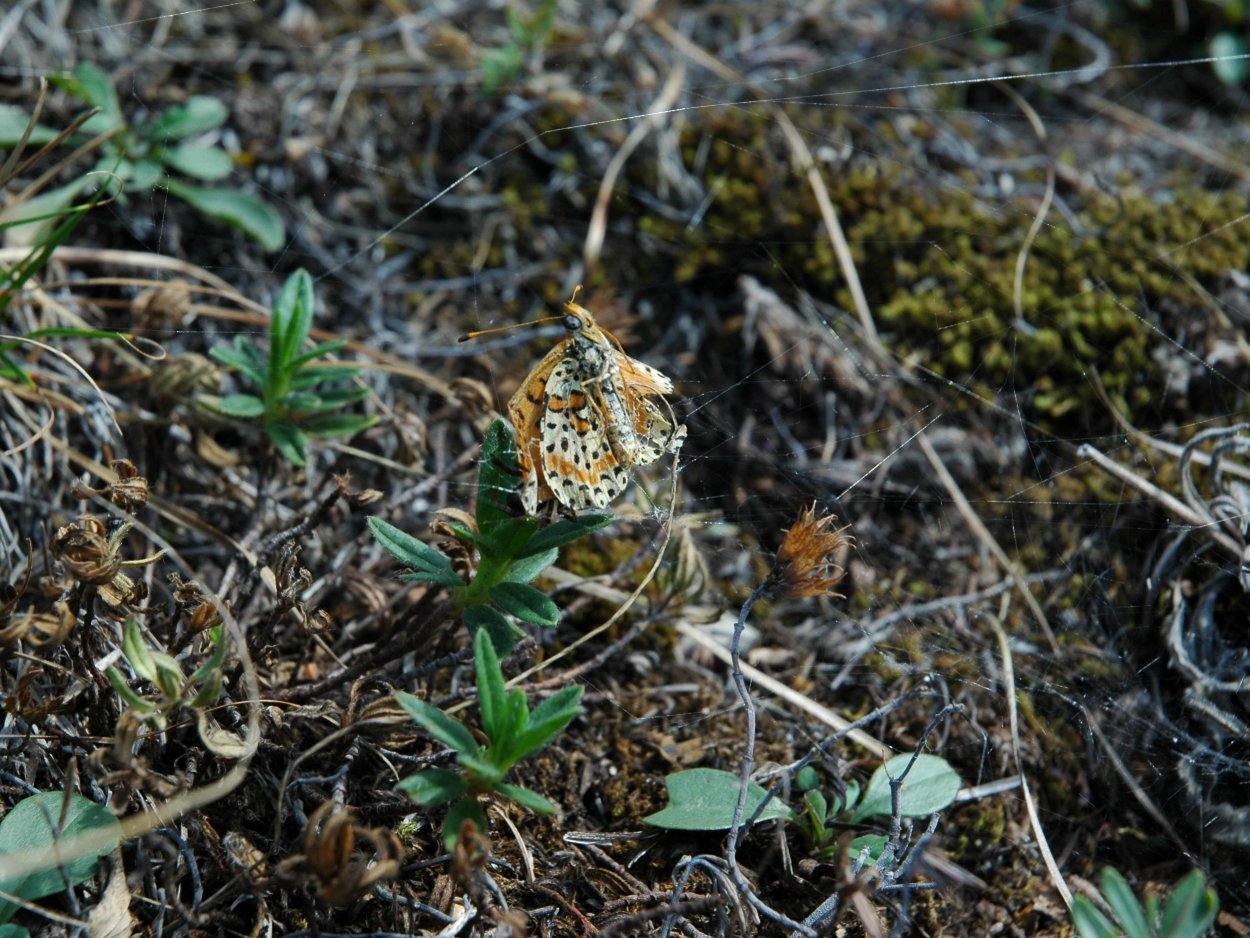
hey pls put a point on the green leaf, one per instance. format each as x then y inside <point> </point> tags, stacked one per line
<point>320,351</point>
<point>498,476</point>
<point>1123,904</point>
<point>201,113</point>
<point>527,799</point>
<point>13,123</point>
<point>491,621</point>
<point>502,540</point>
<point>239,406</point>
<point>414,553</point>
<point>875,844</point>
<point>704,800</point>
<point>29,223</point>
<point>466,809</point>
<point>547,720</point>
<point>1089,922</point>
<point>443,728</point>
<point>522,571</point>
<point>807,778</point>
<point>12,931</point>
<point>526,603</point>
<point>564,531</point>
<point>433,786</point>
<point>128,695</point>
<point>930,786</point>
<point>244,356</point>
<point>208,163</point>
<point>92,84</point>
<point>30,828</point>
<point>1191,909</point>
<point>490,687</point>
<point>252,215</point>
<point>289,440</point>
<point>338,425</point>
<point>137,652</point>
<point>817,807</point>
<point>291,322</point>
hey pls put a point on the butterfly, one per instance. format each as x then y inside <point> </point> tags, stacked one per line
<point>586,415</point>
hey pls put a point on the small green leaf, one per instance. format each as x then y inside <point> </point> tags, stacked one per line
<point>527,799</point>
<point>250,214</point>
<point>1191,909</point>
<point>491,621</point>
<point>549,718</point>
<point>433,786</point>
<point>9,930</point>
<point>30,828</point>
<point>13,123</point>
<point>289,441</point>
<point>414,553</point>
<point>807,778</point>
<point>208,163</point>
<point>338,425</point>
<point>554,535</point>
<point>92,84</point>
<point>292,320</point>
<point>239,406</point>
<point>499,474</point>
<point>29,223</point>
<point>704,800</point>
<point>311,376</point>
<point>1123,904</point>
<point>930,786</point>
<point>169,676</point>
<point>319,351</point>
<point>443,728</point>
<point>490,687</point>
<point>522,571</point>
<point>128,695</point>
<point>526,603</point>
<point>466,809</point>
<point>817,807</point>
<point>875,844</point>
<point>137,652</point>
<point>201,113</point>
<point>1089,922</point>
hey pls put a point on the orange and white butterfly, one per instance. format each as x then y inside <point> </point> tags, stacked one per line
<point>585,415</point>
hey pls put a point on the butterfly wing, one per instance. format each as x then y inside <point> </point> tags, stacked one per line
<point>525,410</point>
<point>577,460</point>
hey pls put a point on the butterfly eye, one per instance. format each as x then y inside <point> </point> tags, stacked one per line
<point>572,323</point>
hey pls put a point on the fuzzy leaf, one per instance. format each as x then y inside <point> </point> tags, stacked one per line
<point>239,406</point>
<point>443,728</point>
<point>433,786</point>
<point>546,721</point>
<point>530,800</point>
<point>1123,904</point>
<point>1089,922</point>
<point>408,550</point>
<point>338,425</point>
<point>526,603</point>
<point>491,621</point>
<point>289,441</point>
<point>1191,909</point>
<point>528,568</point>
<point>564,531</point>
<point>490,687</point>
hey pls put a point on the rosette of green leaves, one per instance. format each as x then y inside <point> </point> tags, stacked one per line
<point>511,551</point>
<point>174,689</point>
<point>290,405</point>
<point>1189,913</point>
<point>160,153</point>
<point>513,733</point>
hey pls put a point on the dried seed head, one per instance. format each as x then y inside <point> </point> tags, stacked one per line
<point>86,552</point>
<point>809,561</point>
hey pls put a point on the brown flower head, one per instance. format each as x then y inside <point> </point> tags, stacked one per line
<point>809,561</point>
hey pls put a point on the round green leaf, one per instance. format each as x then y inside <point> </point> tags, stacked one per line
<point>201,113</point>
<point>207,163</point>
<point>704,800</point>
<point>930,786</point>
<point>250,214</point>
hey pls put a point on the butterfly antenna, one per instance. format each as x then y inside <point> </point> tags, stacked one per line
<point>516,325</point>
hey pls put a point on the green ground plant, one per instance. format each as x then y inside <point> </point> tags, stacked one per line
<point>139,157</point>
<point>513,733</point>
<point>508,553</point>
<point>34,826</point>
<point>704,799</point>
<point>287,406</point>
<point>1189,912</point>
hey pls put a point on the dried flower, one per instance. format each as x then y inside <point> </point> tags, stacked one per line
<point>331,860</point>
<point>808,563</point>
<point>129,492</point>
